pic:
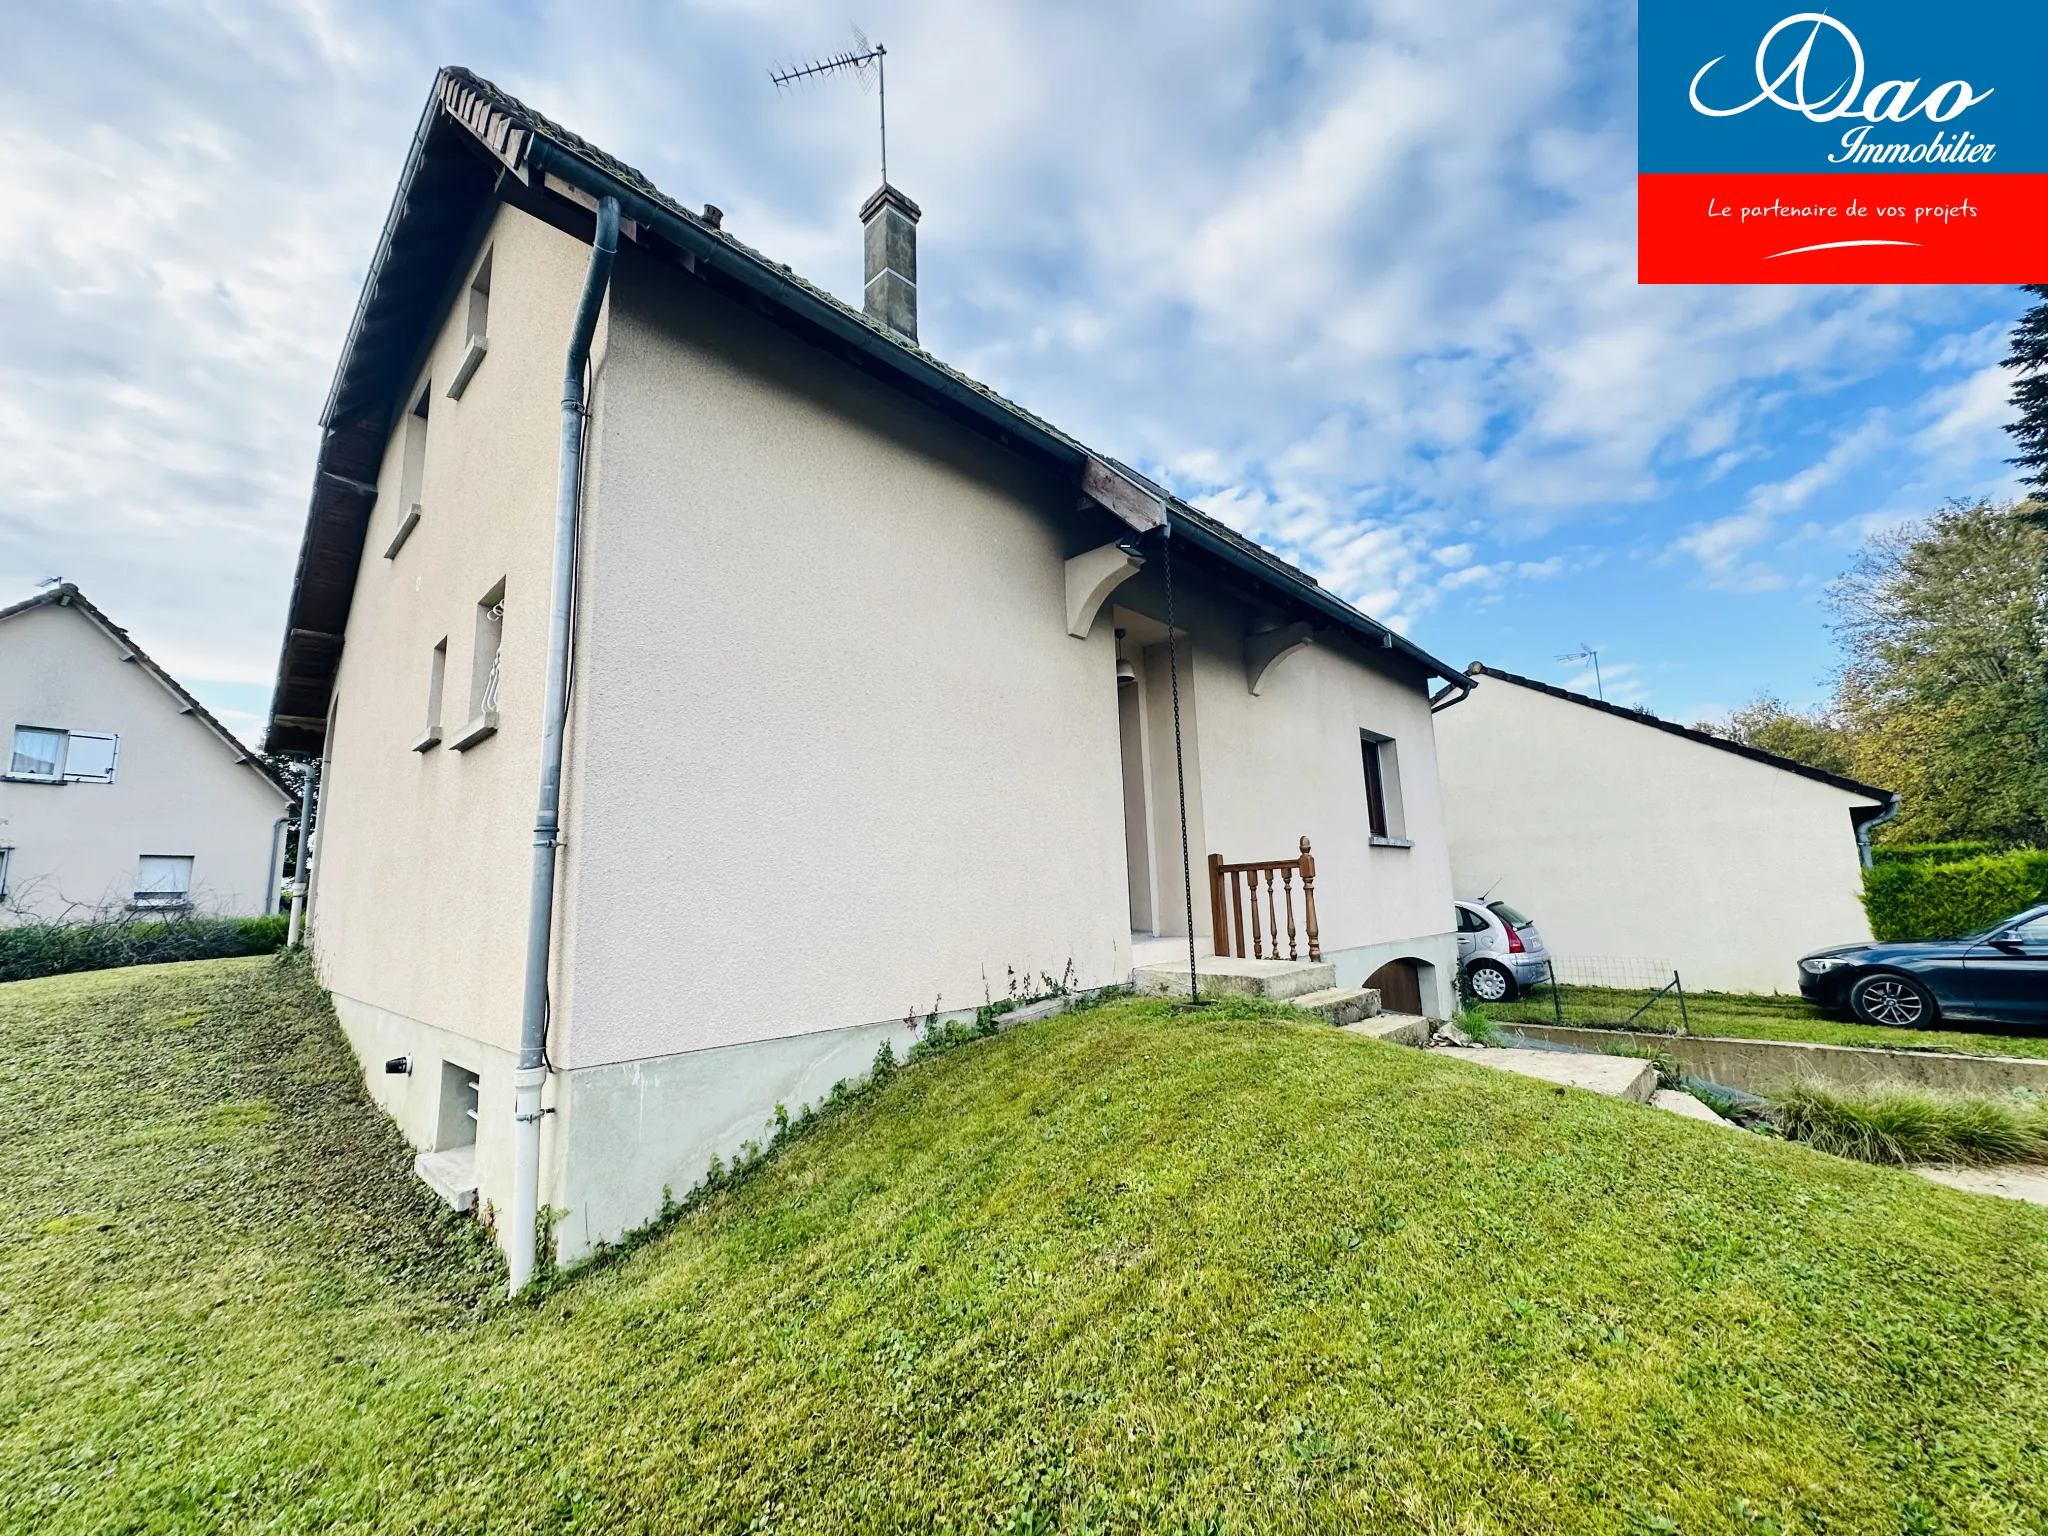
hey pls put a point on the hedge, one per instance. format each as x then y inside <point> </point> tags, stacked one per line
<point>1930,853</point>
<point>1932,900</point>
<point>51,949</point>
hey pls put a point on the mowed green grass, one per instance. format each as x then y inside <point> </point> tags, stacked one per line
<point>1744,1016</point>
<point>1127,1270</point>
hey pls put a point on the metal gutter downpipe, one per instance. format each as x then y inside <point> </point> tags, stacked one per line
<point>309,813</point>
<point>1865,827</point>
<point>523,1238</point>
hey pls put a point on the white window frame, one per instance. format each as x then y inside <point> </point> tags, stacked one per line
<point>64,773</point>
<point>152,900</point>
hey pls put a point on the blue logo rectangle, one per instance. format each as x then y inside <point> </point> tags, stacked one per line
<point>1885,86</point>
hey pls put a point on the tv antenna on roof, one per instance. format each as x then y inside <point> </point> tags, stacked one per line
<point>1586,653</point>
<point>862,59</point>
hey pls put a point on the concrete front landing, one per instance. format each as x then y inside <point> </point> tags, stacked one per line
<point>1280,980</point>
<point>1621,1077</point>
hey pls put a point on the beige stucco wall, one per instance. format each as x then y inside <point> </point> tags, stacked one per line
<point>177,788</point>
<point>1623,840</point>
<point>424,857</point>
<point>836,756</point>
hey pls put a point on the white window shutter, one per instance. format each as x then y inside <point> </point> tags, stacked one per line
<point>91,758</point>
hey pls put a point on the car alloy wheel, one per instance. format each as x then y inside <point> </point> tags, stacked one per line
<point>1489,983</point>
<point>1890,1000</point>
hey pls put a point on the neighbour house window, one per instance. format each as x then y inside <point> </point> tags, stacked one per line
<point>412,472</point>
<point>475,330</point>
<point>6,858</point>
<point>63,757</point>
<point>164,880</point>
<point>437,681</point>
<point>483,677</point>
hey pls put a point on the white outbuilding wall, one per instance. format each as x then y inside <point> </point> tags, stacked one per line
<point>1623,839</point>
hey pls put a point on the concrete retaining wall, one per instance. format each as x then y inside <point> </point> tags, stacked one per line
<point>1758,1066</point>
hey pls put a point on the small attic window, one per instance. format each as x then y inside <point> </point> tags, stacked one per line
<point>412,472</point>
<point>483,686</point>
<point>475,328</point>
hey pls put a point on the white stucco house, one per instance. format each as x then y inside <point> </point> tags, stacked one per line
<point>867,700</point>
<point>1629,837</point>
<point>121,793</point>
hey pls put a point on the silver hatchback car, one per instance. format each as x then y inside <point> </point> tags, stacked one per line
<point>1499,951</point>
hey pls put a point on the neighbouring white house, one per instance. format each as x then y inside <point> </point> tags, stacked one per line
<point>1628,837</point>
<point>121,794</point>
<point>868,700</point>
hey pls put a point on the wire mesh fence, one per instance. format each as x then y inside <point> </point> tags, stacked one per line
<point>1600,992</point>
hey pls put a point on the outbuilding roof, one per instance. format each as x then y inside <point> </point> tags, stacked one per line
<point>1704,738</point>
<point>475,147</point>
<point>67,595</point>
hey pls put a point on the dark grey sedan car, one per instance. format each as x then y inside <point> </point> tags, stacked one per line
<point>1998,975</point>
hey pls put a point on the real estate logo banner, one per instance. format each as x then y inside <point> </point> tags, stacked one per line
<point>1875,141</point>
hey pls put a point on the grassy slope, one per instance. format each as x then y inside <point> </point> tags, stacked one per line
<point>1759,1018</point>
<point>1121,1271</point>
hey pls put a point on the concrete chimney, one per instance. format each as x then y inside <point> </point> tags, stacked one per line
<point>889,228</point>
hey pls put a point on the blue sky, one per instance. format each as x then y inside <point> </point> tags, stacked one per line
<point>1358,278</point>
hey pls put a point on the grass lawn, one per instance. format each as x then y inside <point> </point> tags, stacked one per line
<point>1126,1270</point>
<point>1752,1017</point>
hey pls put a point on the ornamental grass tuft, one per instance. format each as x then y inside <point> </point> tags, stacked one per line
<point>1900,1124</point>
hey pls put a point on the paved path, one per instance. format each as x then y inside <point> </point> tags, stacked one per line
<point>2014,1181</point>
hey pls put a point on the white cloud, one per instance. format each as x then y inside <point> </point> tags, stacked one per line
<point>1363,282</point>
<point>1849,450</point>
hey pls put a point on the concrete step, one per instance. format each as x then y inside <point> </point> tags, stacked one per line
<point>450,1174</point>
<point>1280,980</point>
<point>1394,1028</point>
<point>1621,1077</point>
<point>1680,1102</point>
<point>1341,1005</point>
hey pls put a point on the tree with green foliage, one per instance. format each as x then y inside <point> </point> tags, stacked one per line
<point>1946,632</point>
<point>1815,738</point>
<point>2029,360</point>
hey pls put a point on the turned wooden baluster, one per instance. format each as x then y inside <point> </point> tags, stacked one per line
<point>1258,938</point>
<point>1308,898</point>
<point>1237,911</point>
<point>1287,880</point>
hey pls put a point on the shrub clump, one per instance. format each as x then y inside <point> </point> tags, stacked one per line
<point>54,949</point>
<point>1932,899</point>
<point>1930,853</point>
<point>1899,1125</point>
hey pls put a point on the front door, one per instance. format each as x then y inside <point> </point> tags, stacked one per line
<point>1137,818</point>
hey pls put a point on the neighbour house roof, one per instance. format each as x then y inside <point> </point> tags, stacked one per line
<point>475,147</point>
<point>66,595</point>
<point>1706,739</point>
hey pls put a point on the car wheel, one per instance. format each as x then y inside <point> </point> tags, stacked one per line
<point>1897,1002</point>
<point>1490,983</point>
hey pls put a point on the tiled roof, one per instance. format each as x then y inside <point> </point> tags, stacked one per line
<point>475,141</point>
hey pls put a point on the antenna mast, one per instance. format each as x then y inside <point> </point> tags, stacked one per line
<point>1586,653</point>
<point>860,59</point>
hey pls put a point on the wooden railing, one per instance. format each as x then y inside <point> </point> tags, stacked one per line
<point>1227,911</point>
